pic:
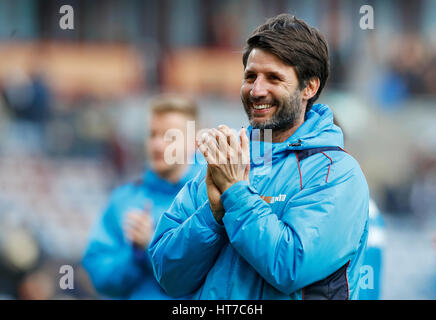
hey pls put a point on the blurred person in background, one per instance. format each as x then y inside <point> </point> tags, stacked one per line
<point>37,285</point>
<point>20,254</point>
<point>423,186</point>
<point>28,96</point>
<point>116,258</point>
<point>410,71</point>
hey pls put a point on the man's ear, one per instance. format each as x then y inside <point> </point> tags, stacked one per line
<point>312,86</point>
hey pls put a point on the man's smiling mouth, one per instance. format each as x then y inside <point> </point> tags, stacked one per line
<point>262,108</point>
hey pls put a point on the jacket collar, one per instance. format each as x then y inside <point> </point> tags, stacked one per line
<point>154,182</point>
<point>317,130</point>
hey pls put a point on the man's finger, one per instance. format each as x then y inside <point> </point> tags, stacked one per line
<point>245,145</point>
<point>207,153</point>
<point>135,232</point>
<point>147,207</point>
<point>129,227</point>
<point>223,146</point>
<point>213,148</point>
<point>141,218</point>
<point>234,146</point>
<point>139,223</point>
<point>141,234</point>
<point>230,136</point>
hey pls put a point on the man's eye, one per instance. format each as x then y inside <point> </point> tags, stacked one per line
<point>250,76</point>
<point>275,78</point>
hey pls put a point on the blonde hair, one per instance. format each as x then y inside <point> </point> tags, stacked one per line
<point>174,103</point>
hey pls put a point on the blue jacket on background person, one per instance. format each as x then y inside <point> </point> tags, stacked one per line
<point>372,288</point>
<point>117,268</point>
<point>298,230</point>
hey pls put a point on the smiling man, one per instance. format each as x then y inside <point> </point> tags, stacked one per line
<point>291,228</point>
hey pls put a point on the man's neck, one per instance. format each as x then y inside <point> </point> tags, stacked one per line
<point>279,135</point>
<point>173,175</point>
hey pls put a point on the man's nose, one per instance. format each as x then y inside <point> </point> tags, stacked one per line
<point>259,88</point>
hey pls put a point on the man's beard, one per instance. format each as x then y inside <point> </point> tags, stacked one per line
<point>284,118</point>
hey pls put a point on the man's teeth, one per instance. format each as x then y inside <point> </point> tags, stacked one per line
<point>262,106</point>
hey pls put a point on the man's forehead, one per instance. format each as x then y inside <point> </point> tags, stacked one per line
<point>265,61</point>
<point>168,119</point>
<point>176,115</point>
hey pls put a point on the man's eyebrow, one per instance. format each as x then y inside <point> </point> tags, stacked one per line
<point>276,73</point>
<point>272,72</point>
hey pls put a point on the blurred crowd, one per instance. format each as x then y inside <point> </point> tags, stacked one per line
<point>410,70</point>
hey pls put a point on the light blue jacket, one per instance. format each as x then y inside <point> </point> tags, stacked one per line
<point>372,270</point>
<point>295,223</point>
<point>117,268</point>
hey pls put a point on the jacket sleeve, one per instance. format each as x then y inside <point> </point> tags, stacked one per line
<point>186,243</point>
<point>318,233</point>
<point>113,264</point>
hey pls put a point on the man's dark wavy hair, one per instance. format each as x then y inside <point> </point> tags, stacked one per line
<point>295,43</point>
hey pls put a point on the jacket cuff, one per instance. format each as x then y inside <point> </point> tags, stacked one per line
<point>206,215</point>
<point>141,256</point>
<point>233,195</point>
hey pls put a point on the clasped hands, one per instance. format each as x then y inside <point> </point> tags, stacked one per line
<point>228,158</point>
<point>139,226</point>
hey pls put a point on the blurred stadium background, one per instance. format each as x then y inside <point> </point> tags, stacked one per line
<point>73,110</point>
